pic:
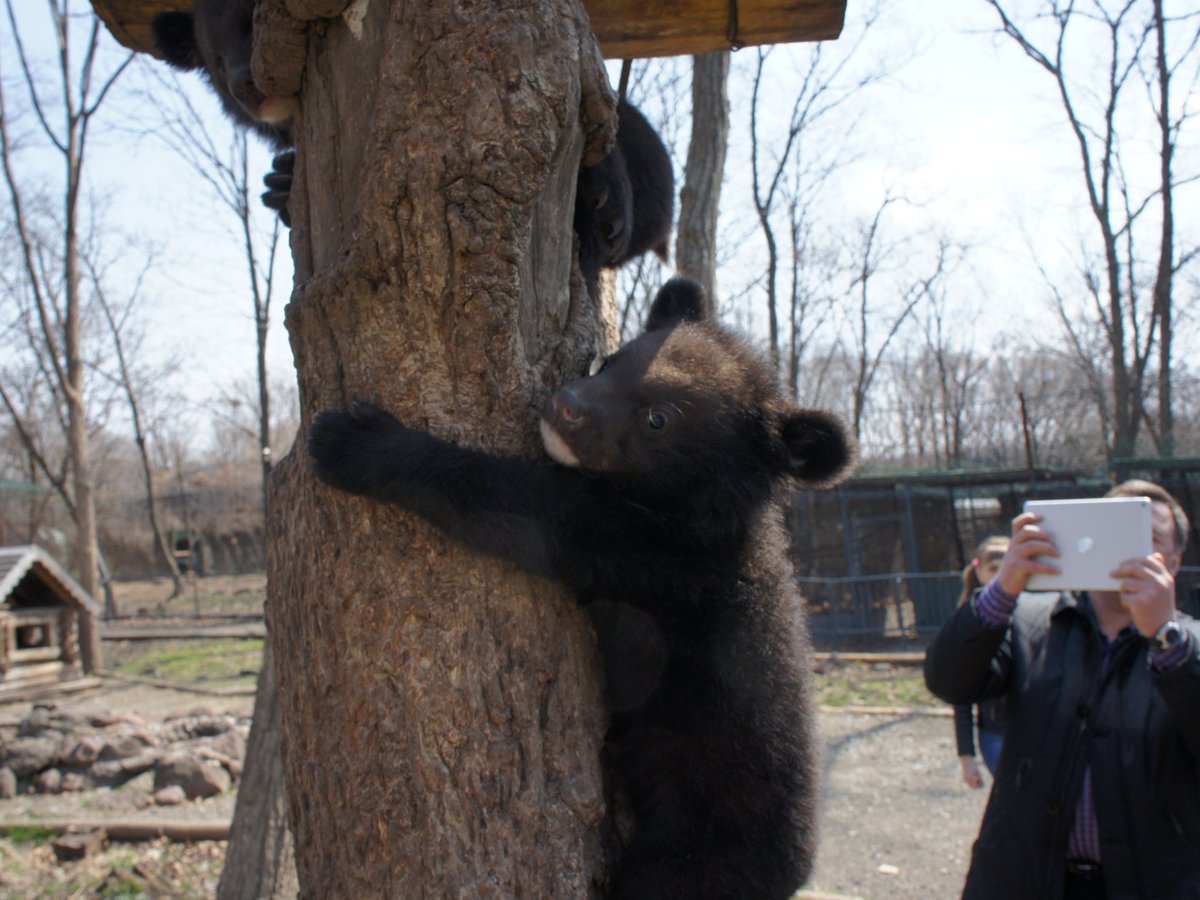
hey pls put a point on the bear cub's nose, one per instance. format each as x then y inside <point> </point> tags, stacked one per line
<point>565,409</point>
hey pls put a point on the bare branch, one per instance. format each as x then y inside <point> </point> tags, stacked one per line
<point>30,81</point>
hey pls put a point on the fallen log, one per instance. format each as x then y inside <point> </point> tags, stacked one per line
<point>131,830</point>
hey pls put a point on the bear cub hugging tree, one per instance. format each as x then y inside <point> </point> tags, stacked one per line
<point>664,515</point>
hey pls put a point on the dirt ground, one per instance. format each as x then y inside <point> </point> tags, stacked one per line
<point>897,823</point>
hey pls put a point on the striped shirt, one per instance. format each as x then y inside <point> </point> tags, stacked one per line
<point>995,608</point>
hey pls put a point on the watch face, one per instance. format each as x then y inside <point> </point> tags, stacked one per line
<point>1169,635</point>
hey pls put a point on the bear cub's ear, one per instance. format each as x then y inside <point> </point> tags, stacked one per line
<point>679,300</point>
<point>819,450</point>
<point>175,38</point>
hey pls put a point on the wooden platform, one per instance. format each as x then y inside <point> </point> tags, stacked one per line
<point>625,28</point>
<point>26,690</point>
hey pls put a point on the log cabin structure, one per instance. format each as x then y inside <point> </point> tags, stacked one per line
<point>41,606</point>
<point>625,28</point>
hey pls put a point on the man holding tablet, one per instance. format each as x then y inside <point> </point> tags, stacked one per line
<point>1098,789</point>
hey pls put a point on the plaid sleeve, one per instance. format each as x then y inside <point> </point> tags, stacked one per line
<point>1166,660</point>
<point>993,606</point>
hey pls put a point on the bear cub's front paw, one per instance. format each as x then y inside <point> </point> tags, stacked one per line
<point>346,446</point>
<point>278,183</point>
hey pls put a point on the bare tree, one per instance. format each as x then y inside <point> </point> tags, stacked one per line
<point>1100,106</point>
<point>887,286</point>
<point>218,155</point>
<point>34,441</point>
<point>82,90</point>
<point>828,78</point>
<point>813,300</point>
<point>125,379</point>
<point>954,369</point>
<point>700,198</point>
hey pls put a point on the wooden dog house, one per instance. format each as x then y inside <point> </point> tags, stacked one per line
<point>40,610</point>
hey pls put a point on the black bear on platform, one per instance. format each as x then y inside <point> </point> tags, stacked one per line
<point>625,204</point>
<point>664,515</point>
<point>216,37</point>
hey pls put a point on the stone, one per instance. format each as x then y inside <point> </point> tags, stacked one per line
<point>8,784</point>
<point>125,746</point>
<point>48,782</point>
<point>171,795</point>
<point>106,720</point>
<point>141,783</point>
<point>38,722</point>
<point>197,778</point>
<point>73,847</point>
<point>120,770</point>
<point>231,745</point>
<point>27,755</point>
<point>83,752</point>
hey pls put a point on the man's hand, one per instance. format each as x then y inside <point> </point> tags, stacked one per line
<point>1147,591</point>
<point>1028,541</point>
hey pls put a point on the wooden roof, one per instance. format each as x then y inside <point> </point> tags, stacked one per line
<point>625,28</point>
<point>18,563</point>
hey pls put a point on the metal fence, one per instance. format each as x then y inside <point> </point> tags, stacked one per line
<point>910,605</point>
<point>881,557</point>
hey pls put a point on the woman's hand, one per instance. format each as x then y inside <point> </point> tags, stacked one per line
<point>971,775</point>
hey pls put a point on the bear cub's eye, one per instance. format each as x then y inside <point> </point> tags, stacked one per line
<point>656,419</point>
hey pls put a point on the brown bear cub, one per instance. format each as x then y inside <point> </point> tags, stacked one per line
<point>664,514</point>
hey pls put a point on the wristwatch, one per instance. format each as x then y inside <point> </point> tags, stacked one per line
<point>1168,635</point>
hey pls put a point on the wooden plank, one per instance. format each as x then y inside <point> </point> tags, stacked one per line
<point>625,28</point>
<point>129,829</point>
<point>182,632</point>
<point>33,690</point>
<point>644,28</point>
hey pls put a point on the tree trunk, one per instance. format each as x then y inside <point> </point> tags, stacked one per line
<point>87,563</point>
<point>696,244</point>
<point>441,712</point>
<point>260,862</point>
<point>264,407</point>
<point>1165,277</point>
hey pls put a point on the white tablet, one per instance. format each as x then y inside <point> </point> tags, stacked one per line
<point>1093,538</point>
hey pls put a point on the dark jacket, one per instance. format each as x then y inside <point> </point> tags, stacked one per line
<point>1139,729</point>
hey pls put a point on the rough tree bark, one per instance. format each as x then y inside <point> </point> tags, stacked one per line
<point>441,713</point>
<point>699,201</point>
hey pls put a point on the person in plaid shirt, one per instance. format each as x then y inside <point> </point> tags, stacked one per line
<point>1098,789</point>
